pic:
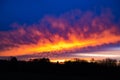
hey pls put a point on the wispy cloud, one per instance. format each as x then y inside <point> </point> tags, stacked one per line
<point>70,31</point>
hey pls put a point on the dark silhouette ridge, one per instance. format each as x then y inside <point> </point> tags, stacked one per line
<point>43,66</point>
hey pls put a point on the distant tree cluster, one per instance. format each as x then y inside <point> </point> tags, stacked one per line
<point>107,61</point>
<point>77,66</point>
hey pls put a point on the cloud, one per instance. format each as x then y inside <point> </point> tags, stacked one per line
<point>68,32</point>
<point>112,53</point>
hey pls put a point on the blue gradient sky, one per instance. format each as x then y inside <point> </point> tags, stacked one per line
<point>30,11</point>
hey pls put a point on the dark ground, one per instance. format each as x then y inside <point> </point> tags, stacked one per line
<point>42,69</point>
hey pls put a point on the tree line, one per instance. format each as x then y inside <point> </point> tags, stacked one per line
<point>76,67</point>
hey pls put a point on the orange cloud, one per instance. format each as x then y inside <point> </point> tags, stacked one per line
<point>70,31</point>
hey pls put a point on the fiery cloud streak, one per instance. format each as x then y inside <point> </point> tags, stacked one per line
<point>70,31</point>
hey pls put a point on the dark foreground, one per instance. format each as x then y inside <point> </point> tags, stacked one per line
<point>42,69</point>
<point>37,76</point>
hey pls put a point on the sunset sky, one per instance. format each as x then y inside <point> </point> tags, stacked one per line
<point>60,29</point>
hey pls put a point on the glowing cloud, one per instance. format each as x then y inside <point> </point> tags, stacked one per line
<point>70,31</point>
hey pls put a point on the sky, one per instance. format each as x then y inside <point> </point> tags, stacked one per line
<point>60,29</point>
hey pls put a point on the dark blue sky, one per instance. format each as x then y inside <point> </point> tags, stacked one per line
<point>31,11</point>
